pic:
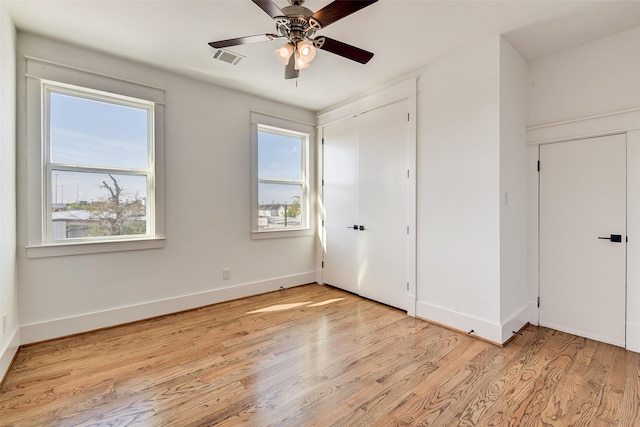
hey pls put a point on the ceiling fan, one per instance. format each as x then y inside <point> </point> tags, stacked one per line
<point>298,25</point>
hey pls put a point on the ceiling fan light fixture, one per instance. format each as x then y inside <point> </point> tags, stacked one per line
<point>284,53</point>
<point>306,51</point>
<point>300,63</point>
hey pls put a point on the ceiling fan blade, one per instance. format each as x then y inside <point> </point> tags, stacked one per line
<point>345,50</point>
<point>338,10</point>
<point>243,40</point>
<point>290,71</point>
<point>270,7</point>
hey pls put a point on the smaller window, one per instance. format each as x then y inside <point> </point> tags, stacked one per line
<point>281,179</point>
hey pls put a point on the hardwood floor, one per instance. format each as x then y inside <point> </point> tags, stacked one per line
<point>316,356</point>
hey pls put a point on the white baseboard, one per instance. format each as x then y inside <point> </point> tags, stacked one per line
<point>514,323</point>
<point>490,331</point>
<point>9,352</point>
<point>633,337</point>
<point>487,330</point>
<point>91,321</point>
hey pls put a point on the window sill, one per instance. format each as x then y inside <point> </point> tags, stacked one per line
<point>82,248</point>
<point>277,234</point>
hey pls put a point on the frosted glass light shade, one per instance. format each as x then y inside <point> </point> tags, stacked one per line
<point>306,51</point>
<point>299,63</point>
<point>284,53</point>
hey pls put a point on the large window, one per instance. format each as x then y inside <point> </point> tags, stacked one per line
<point>281,171</point>
<point>98,165</point>
<point>94,176</point>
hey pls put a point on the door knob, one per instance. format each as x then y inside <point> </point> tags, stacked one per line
<point>617,238</point>
<point>355,226</point>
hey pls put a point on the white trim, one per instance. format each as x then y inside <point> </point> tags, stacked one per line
<point>633,337</point>
<point>533,312</point>
<point>585,127</point>
<point>514,323</point>
<point>9,352</point>
<point>274,234</point>
<point>633,246</point>
<point>398,92</point>
<point>412,209</point>
<point>38,68</point>
<point>279,122</point>
<point>486,329</point>
<point>81,248</point>
<point>79,323</point>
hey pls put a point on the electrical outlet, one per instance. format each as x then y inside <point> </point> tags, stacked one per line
<point>4,323</point>
<point>226,273</point>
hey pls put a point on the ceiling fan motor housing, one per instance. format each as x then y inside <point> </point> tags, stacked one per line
<point>295,25</point>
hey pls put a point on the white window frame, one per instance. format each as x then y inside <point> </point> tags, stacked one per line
<point>43,76</point>
<point>286,126</point>
<point>49,167</point>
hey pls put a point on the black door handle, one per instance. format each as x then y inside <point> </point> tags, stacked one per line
<point>617,238</point>
<point>355,226</point>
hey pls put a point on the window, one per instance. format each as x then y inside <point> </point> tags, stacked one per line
<point>281,170</point>
<point>282,201</point>
<point>94,151</point>
<point>98,167</point>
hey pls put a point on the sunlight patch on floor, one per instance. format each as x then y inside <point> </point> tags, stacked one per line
<point>282,307</point>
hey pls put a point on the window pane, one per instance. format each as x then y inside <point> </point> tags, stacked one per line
<point>95,133</point>
<point>279,156</point>
<point>279,206</point>
<point>86,205</point>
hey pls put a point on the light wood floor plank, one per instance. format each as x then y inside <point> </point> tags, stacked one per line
<point>316,356</point>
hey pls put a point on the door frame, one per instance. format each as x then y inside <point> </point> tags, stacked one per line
<point>405,90</point>
<point>620,122</point>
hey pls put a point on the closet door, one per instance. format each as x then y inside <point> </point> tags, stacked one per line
<point>340,205</point>
<point>383,203</point>
<point>365,201</point>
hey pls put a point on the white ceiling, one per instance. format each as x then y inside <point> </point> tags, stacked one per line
<point>405,35</point>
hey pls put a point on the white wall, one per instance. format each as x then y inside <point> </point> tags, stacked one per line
<point>458,189</point>
<point>9,337</point>
<point>472,191</point>
<point>589,90</point>
<point>596,78</point>
<point>208,223</point>
<point>513,189</point>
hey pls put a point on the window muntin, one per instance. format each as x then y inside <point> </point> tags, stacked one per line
<point>98,171</point>
<point>282,187</point>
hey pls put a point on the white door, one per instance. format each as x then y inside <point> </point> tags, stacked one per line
<point>383,204</point>
<point>582,217</point>
<point>340,204</point>
<point>365,186</point>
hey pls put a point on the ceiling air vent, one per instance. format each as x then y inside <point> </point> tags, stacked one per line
<point>227,56</point>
